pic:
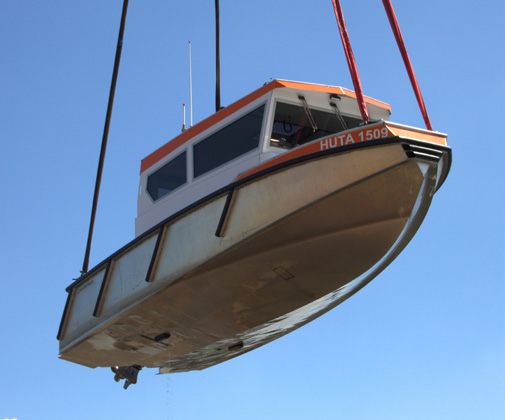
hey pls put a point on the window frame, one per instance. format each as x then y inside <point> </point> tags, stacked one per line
<point>257,148</point>
<point>186,174</point>
<point>276,101</point>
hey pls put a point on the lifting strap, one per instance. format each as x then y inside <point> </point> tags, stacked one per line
<point>354,69</point>
<point>408,65</point>
<point>105,136</point>
<point>350,61</point>
<point>218,60</point>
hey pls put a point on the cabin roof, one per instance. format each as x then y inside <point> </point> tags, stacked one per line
<point>187,135</point>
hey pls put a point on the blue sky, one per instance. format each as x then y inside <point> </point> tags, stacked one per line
<point>426,339</point>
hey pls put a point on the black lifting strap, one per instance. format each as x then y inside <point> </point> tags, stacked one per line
<point>218,66</point>
<point>105,136</point>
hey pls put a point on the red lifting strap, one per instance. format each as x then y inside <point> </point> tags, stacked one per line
<point>408,65</point>
<point>350,61</point>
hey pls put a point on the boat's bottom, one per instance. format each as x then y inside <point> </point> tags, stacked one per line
<point>299,268</point>
<point>299,241</point>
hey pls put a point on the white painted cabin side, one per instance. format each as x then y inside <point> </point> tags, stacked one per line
<point>268,122</point>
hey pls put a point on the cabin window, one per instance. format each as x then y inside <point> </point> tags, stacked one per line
<point>231,142</point>
<point>168,178</point>
<point>292,126</point>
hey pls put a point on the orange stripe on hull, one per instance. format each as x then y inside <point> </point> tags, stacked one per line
<point>359,135</point>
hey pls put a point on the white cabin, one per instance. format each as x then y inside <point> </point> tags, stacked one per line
<point>270,121</point>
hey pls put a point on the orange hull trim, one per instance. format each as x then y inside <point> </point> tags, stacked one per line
<point>369,132</point>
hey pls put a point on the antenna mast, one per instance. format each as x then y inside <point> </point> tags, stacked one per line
<point>190,91</point>
<point>183,118</point>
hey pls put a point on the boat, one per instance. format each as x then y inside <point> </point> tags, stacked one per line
<point>250,224</point>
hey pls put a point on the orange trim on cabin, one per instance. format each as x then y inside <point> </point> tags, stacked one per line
<point>187,135</point>
<point>191,132</point>
<point>331,89</point>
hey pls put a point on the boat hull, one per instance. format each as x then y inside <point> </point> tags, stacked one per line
<point>254,262</point>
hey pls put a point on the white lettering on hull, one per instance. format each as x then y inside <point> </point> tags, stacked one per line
<point>349,138</point>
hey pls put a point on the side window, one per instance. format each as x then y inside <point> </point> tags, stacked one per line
<point>168,178</point>
<point>229,143</point>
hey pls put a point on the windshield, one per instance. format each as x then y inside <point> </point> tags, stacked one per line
<point>292,126</point>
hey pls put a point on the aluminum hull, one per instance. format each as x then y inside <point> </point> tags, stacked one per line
<point>254,261</point>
